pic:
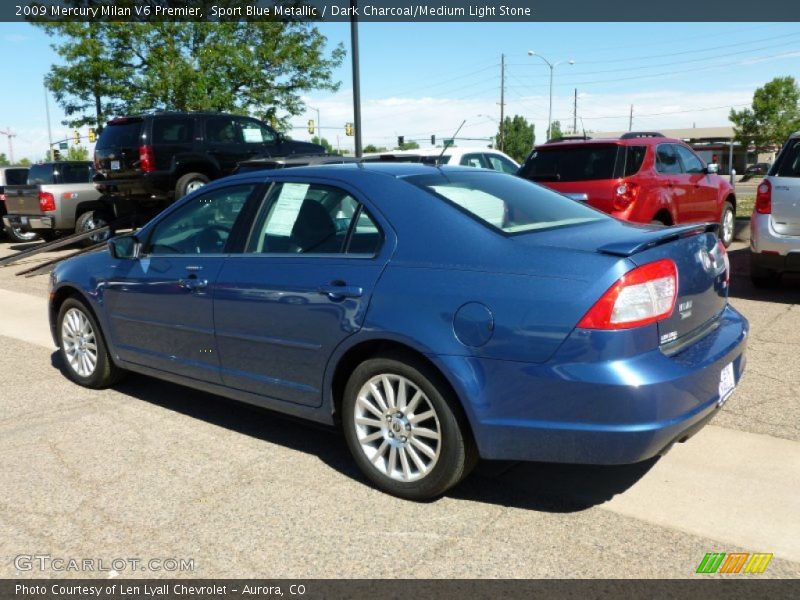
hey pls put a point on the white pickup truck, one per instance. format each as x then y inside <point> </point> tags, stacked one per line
<point>59,197</point>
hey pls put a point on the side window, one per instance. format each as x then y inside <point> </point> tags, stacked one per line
<point>302,218</point>
<point>173,130</point>
<point>667,160</point>
<point>634,157</point>
<point>221,130</point>
<point>500,163</point>
<point>691,163</point>
<point>202,226</point>
<point>473,160</point>
<point>254,132</point>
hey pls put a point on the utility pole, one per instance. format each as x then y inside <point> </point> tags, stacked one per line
<point>575,113</point>
<point>502,100</point>
<point>49,131</point>
<point>356,76</point>
<point>10,135</point>
<point>630,120</point>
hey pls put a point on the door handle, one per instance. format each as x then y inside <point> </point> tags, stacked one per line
<point>192,283</point>
<point>338,290</point>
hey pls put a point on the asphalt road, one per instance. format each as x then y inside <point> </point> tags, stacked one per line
<point>150,470</point>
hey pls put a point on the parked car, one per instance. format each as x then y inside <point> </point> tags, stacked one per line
<point>641,177</point>
<point>757,169</point>
<point>268,164</point>
<point>436,314</point>
<point>150,160</point>
<point>775,224</point>
<point>482,158</point>
<point>59,197</point>
<point>13,176</point>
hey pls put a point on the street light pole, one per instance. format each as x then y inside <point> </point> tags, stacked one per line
<point>552,67</point>
<point>356,77</point>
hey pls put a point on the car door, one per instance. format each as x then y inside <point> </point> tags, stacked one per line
<point>301,287</point>
<point>224,143</point>
<point>259,140</point>
<point>160,303</point>
<point>702,186</point>
<point>671,177</point>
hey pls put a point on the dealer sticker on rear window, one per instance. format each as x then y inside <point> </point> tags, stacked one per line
<point>727,382</point>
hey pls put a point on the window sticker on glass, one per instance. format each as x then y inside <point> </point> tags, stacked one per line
<point>485,206</point>
<point>286,208</point>
<point>252,135</point>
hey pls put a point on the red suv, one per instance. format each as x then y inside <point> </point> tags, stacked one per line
<point>640,177</point>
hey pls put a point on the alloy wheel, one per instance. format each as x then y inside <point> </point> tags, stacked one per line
<point>79,342</point>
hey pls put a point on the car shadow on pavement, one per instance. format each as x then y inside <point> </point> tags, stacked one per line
<point>786,292</point>
<point>533,486</point>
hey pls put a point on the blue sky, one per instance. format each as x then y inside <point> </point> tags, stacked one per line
<point>422,79</point>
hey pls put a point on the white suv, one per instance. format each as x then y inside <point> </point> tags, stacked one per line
<point>482,158</point>
<point>775,224</point>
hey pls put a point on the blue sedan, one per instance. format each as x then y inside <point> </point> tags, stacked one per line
<point>436,314</point>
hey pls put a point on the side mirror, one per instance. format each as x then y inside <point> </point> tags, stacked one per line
<point>124,247</point>
<point>712,169</point>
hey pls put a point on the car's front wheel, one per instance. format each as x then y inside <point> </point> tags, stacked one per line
<point>83,348</point>
<point>727,223</point>
<point>403,428</point>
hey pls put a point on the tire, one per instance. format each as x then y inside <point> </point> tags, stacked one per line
<point>81,343</point>
<point>15,234</point>
<point>764,278</point>
<point>91,220</point>
<point>189,183</point>
<point>727,224</point>
<point>399,453</point>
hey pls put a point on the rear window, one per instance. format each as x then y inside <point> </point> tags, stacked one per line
<point>16,176</point>
<point>788,164</point>
<point>571,163</point>
<point>40,174</point>
<point>505,202</point>
<point>121,135</point>
<point>75,173</point>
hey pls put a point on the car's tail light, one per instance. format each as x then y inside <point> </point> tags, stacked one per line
<point>723,252</point>
<point>2,197</point>
<point>47,201</point>
<point>642,296</point>
<point>764,198</point>
<point>625,194</point>
<point>147,162</point>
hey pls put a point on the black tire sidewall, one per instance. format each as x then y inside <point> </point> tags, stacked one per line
<point>455,458</point>
<point>18,240</point>
<point>185,180</point>
<point>98,216</point>
<point>102,376</point>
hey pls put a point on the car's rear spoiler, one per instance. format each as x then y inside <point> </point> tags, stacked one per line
<point>650,238</point>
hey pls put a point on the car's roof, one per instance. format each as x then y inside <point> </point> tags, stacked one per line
<point>621,141</point>
<point>436,151</point>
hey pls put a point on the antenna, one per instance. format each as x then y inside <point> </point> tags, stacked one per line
<point>446,145</point>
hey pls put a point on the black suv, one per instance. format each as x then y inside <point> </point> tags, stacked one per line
<point>160,157</point>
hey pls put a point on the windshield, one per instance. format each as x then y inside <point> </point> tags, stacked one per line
<point>505,202</point>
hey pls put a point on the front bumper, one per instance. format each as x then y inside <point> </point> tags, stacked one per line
<point>29,222</point>
<point>598,412</point>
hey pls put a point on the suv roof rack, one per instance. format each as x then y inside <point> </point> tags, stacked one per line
<point>567,138</point>
<point>641,134</point>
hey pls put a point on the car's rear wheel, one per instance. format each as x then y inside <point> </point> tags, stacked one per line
<point>189,183</point>
<point>93,219</point>
<point>83,348</point>
<point>16,234</point>
<point>727,223</point>
<point>404,430</point>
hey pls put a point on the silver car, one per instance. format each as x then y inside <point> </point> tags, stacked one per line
<point>775,224</point>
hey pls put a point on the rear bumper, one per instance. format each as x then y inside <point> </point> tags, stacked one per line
<point>157,185</point>
<point>598,412</point>
<point>771,250</point>
<point>30,222</point>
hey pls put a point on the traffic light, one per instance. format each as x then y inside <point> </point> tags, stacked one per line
<point>92,135</point>
<point>76,137</point>
<point>433,140</point>
<point>311,126</point>
<point>401,140</point>
<point>348,129</point>
<point>56,154</point>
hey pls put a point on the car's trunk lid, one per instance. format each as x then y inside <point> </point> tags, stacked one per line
<point>117,151</point>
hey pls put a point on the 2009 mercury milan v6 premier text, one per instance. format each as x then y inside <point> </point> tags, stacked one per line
<point>437,314</point>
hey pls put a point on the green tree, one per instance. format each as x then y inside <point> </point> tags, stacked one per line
<point>25,162</point>
<point>773,116</point>
<point>3,160</point>
<point>259,68</point>
<point>555,130</point>
<point>373,149</point>
<point>329,149</point>
<point>77,153</point>
<point>519,137</point>
<point>410,145</point>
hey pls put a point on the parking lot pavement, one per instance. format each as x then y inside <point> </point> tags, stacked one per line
<point>152,470</point>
